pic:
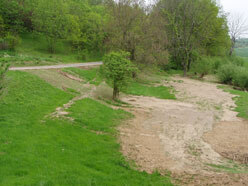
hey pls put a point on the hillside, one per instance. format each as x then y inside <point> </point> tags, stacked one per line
<point>67,119</point>
<point>122,93</point>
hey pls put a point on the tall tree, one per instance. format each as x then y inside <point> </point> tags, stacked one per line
<point>237,28</point>
<point>190,23</point>
<point>124,30</point>
<point>51,19</point>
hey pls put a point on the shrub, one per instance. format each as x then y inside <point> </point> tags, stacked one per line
<point>202,66</point>
<point>217,62</point>
<point>238,61</point>
<point>226,73</point>
<point>9,42</point>
<point>240,78</point>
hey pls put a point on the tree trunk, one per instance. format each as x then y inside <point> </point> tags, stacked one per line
<point>231,51</point>
<point>133,54</point>
<point>185,65</point>
<point>232,46</point>
<point>115,92</point>
<point>189,63</point>
<point>185,70</point>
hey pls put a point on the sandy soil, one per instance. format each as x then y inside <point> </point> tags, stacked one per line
<point>182,136</point>
<point>230,139</point>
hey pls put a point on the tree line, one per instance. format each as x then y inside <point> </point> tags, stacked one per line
<point>175,30</point>
<point>168,33</point>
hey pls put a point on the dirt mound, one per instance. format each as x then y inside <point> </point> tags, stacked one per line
<point>230,139</point>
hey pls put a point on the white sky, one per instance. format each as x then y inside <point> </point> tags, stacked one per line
<point>239,7</point>
<point>235,6</point>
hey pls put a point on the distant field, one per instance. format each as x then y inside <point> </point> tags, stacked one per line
<point>243,52</point>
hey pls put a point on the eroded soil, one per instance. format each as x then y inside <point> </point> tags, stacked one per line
<point>184,136</point>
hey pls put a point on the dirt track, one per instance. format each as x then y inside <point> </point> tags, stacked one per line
<point>182,136</point>
<point>57,66</point>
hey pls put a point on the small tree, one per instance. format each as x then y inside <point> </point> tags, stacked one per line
<point>117,69</point>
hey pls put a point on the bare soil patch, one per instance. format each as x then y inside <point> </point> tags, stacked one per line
<point>230,139</point>
<point>173,135</point>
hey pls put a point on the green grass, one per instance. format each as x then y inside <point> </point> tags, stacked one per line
<point>140,89</point>
<point>96,116</point>
<point>241,101</point>
<point>33,51</point>
<point>38,150</point>
<point>90,75</point>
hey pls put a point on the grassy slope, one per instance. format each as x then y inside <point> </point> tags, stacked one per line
<point>37,150</point>
<point>33,51</point>
<point>139,87</point>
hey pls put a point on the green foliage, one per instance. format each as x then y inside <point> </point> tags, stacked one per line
<point>50,19</point>
<point>11,12</point>
<point>226,73</point>
<point>203,66</point>
<point>2,27</point>
<point>118,70</point>
<point>240,78</point>
<point>69,153</point>
<point>190,30</point>
<point>9,42</point>
<point>140,89</point>
<point>234,73</point>
<point>86,24</point>
<point>33,51</point>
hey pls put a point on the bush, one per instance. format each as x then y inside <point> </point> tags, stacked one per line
<point>9,42</point>
<point>240,78</point>
<point>203,66</point>
<point>238,61</point>
<point>234,75</point>
<point>226,73</point>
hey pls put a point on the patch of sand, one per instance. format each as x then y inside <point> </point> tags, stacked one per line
<point>168,134</point>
